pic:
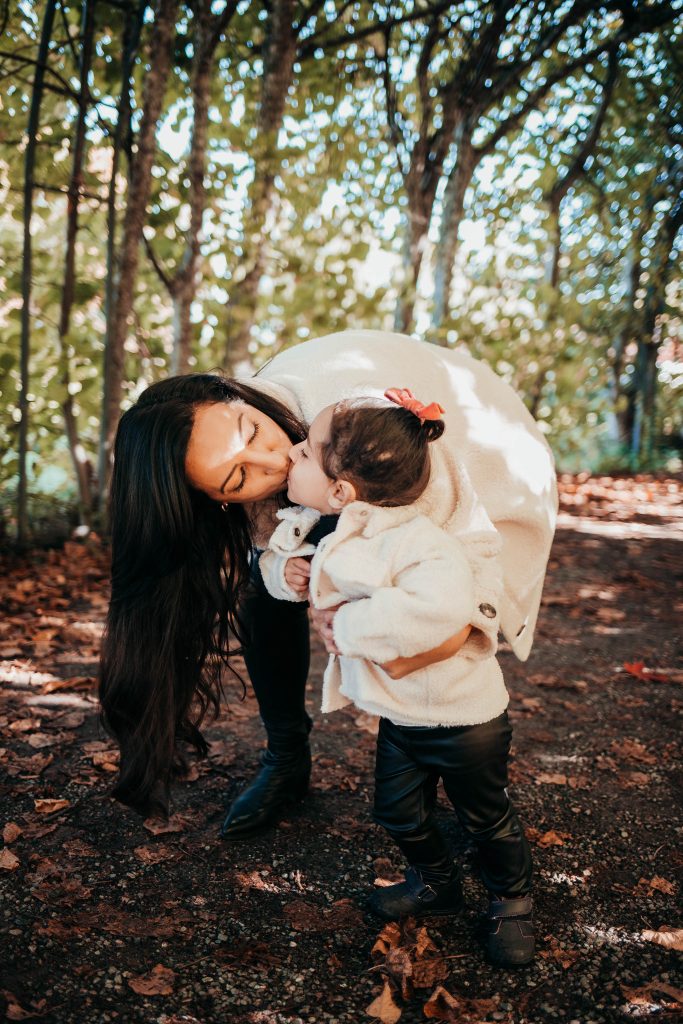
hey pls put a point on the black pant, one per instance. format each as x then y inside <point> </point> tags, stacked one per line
<point>472,761</point>
<point>277,654</point>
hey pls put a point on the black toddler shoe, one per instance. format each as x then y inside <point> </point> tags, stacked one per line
<point>417,898</point>
<point>510,931</point>
<point>281,781</point>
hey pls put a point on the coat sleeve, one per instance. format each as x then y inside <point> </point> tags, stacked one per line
<point>272,566</point>
<point>431,598</point>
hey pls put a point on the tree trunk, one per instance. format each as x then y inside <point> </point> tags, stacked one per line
<point>183,286</point>
<point>453,210</point>
<point>26,270</point>
<point>81,463</point>
<point>131,41</point>
<point>649,340</point>
<point>162,38</point>
<point>278,72</point>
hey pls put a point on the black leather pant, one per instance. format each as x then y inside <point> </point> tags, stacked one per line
<point>472,761</point>
<point>277,655</point>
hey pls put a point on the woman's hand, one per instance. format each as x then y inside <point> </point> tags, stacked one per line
<point>400,667</point>
<point>322,620</point>
<point>298,574</point>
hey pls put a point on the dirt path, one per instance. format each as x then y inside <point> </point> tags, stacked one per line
<point>106,919</point>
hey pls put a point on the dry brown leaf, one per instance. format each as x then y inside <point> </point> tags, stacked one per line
<point>660,885</point>
<point>160,826</point>
<point>565,957</point>
<point>47,806</point>
<point>25,725</point>
<point>441,1005</point>
<point>646,995</point>
<point>552,778</point>
<point>631,780</point>
<point>427,973</point>
<point>633,750</point>
<point>14,1011</point>
<point>157,982</point>
<point>154,854</point>
<point>400,966</point>
<point>384,1007</point>
<point>388,938</point>
<point>424,943</point>
<point>11,831</point>
<point>671,938</point>
<point>8,860</point>
<point>553,838</point>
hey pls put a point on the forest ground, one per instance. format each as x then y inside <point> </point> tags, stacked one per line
<point>106,917</point>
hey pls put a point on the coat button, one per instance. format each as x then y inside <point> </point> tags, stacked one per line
<point>297,531</point>
<point>488,610</point>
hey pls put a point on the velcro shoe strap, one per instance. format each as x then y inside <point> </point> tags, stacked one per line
<point>511,908</point>
<point>418,887</point>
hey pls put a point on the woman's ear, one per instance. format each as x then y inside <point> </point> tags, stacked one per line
<point>340,494</point>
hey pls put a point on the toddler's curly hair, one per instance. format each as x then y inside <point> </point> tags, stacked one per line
<point>381,448</point>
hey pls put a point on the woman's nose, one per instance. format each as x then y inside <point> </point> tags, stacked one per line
<point>271,462</point>
<point>293,452</point>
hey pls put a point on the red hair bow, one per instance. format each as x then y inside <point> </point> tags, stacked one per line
<point>405,398</point>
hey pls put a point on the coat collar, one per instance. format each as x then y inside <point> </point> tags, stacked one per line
<point>369,520</point>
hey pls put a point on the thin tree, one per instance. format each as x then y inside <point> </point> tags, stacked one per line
<point>162,37</point>
<point>209,28</point>
<point>82,466</point>
<point>27,267</point>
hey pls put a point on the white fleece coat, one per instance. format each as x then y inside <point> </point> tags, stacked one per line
<point>492,457</point>
<point>409,586</point>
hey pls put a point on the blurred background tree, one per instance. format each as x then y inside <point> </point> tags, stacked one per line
<point>199,184</point>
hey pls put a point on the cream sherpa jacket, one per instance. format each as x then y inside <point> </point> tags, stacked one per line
<point>492,453</point>
<point>408,587</point>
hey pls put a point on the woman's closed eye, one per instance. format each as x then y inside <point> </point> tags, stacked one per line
<point>240,485</point>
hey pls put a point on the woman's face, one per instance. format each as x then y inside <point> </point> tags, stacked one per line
<point>236,453</point>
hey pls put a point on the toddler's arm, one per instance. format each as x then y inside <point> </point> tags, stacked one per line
<point>431,599</point>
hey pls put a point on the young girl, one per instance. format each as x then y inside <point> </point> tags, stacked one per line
<point>398,584</point>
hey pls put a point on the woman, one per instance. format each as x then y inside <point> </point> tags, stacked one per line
<point>200,469</point>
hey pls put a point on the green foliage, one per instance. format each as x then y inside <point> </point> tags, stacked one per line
<point>338,213</point>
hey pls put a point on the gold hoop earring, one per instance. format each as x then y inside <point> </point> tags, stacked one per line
<point>224,506</point>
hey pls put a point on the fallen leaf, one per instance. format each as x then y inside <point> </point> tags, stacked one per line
<point>14,1011</point>
<point>638,669</point>
<point>384,1007</point>
<point>8,860</point>
<point>157,982</point>
<point>633,750</point>
<point>671,938</point>
<point>10,832</point>
<point>631,780</point>
<point>657,884</point>
<point>400,966</point>
<point>25,725</point>
<point>646,996</point>
<point>424,944</point>
<point>160,826</point>
<point>441,1005</point>
<point>552,778</point>
<point>154,854</point>
<point>553,838</point>
<point>50,806</point>
<point>388,938</point>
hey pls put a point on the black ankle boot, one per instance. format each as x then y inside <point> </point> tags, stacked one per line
<point>417,898</point>
<point>283,778</point>
<point>510,931</point>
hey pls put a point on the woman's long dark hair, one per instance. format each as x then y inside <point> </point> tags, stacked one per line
<point>179,566</point>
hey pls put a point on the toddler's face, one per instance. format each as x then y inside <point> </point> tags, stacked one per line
<point>307,483</point>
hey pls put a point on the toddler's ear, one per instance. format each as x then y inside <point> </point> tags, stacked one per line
<point>341,493</point>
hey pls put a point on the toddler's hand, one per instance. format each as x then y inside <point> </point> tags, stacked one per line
<point>297,574</point>
<point>322,620</point>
